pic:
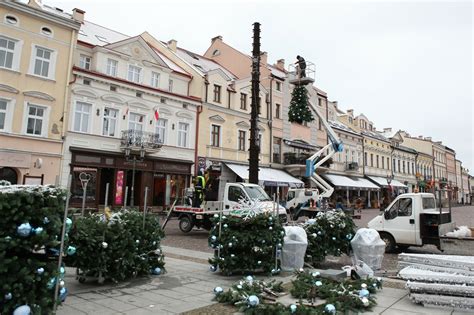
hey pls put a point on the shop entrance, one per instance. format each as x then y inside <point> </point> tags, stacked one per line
<point>138,190</point>
<point>107,176</point>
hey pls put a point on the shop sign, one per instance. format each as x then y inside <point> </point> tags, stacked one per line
<point>119,188</point>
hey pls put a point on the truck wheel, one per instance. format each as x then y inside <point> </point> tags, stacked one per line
<point>186,223</point>
<point>390,244</point>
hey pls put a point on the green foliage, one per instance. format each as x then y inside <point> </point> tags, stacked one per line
<point>22,256</point>
<point>299,111</point>
<point>344,296</point>
<point>118,248</point>
<point>329,233</point>
<point>246,245</point>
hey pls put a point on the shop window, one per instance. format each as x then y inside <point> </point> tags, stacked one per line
<point>76,185</point>
<point>9,174</point>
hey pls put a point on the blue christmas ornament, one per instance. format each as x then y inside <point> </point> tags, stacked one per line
<point>225,226</point>
<point>8,296</point>
<point>282,233</point>
<point>249,278</point>
<point>218,290</point>
<point>314,235</point>
<point>137,241</point>
<point>38,230</point>
<point>239,286</point>
<point>63,294</point>
<point>68,224</point>
<point>62,271</point>
<point>270,218</point>
<point>318,283</point>
<point>270,228</point>
<point>22,310</point>
<point>253,301</point>
<point>279,245</point>
<point>364,293</point>
<point>157,271</point>
<point>330,309</point>
<point>24,230</point>
<point>319,233</point>
<point>71,250</point>
<point>51,283</point>
<point>216,215</point>
<point>293,308</point>
<point>349,236</point>
<point>213,238</point>
<point>45,220</point>
<point>316,274</point>
<point>333,238</point>
<point>259,262</point>
<point>8,238</point>
<point>212,268</point>
<point>40,271</point>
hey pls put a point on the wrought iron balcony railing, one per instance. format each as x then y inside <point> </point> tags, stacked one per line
<point>140,139</point>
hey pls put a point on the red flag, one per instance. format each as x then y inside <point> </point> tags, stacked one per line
<point>126,111</point>
<point>157,115</point>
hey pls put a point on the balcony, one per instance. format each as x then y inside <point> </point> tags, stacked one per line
<point>136,140</point>
<point>292,158</point>
<point>352,166</point>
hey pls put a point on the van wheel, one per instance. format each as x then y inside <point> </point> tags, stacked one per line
<point>389,242</point>
<point>186,223</point>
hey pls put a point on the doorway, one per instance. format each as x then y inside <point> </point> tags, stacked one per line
<point>9,174</point>
<point>107,175</point>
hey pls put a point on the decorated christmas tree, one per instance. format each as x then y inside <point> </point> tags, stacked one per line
<point>299,111</point>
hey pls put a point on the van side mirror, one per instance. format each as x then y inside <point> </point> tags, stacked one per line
<point>386,215</point>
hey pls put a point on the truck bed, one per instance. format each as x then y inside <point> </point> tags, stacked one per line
<point>452,245</point>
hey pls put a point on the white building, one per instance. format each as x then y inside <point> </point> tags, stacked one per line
<point>128,98</point>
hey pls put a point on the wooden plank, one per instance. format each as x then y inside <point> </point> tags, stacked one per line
<point>413,274</point>
<point>404,264</point>
<point>446,301</point>
<point>440,289</point>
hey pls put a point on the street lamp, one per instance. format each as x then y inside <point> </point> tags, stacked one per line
<point>134,159</point>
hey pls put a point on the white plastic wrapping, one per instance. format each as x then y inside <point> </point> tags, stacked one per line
<point>294,248</point>
<point>368,247</point>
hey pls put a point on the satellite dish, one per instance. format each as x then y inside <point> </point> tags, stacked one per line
<point>39,163</point>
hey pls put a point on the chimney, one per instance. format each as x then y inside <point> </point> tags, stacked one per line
<point>280,64</point>
<point>218,37</point>
<point>428,138</point>
<point>350,112</point>
<point>35,4</point>
<point>172,44</point>
<point>263,58</point>
<point>78,15</point>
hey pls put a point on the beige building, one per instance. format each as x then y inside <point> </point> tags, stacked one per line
<point>459,188</point>
<point>451,168</point>
<point>439,164</point>
<point>36,55</point>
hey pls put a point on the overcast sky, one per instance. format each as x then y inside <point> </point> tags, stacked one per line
<point>404,64</point>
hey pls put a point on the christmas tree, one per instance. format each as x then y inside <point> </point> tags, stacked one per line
<point>299,111</point>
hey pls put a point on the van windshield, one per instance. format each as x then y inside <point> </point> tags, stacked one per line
<point>256,192</point>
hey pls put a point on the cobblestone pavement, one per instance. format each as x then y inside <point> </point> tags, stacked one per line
<point>197,239</point>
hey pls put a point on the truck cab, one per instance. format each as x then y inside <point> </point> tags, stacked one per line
<point>400,223</point>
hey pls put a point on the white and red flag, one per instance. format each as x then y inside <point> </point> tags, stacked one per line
<point>157,114</point>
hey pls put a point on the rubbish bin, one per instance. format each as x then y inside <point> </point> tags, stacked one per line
<point>368,247</point>
<point>294,248</point>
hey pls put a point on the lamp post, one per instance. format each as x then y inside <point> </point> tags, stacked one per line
<point>134,165</point>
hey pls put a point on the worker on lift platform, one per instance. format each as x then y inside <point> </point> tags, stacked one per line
<point>199,186</point>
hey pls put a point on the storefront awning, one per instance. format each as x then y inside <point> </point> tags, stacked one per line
<point>267,176</point>
<point>382,182</point>
<point>342,181</point>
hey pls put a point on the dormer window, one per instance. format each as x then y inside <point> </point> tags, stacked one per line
<point>46,31</point>
<point>10,19</point>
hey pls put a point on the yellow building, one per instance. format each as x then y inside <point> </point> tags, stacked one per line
<point>36,49</point>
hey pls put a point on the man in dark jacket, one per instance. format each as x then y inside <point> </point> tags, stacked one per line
<point>301,65</point>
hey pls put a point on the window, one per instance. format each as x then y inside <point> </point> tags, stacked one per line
<point>388,163</point>
<point>46,31</point>
<point>160,129</point>
<point>7,52</point>
<point>155,79</point>
<point>429,203</point>
<point>243,101</point>
<point>320,101</point>
<point>377,160</point>
<point>86,82</point>
<point>365,158</point>
<point>276,150</point>
<point>110,122</point>
<point>278,85</point>
<point>399,168</point>
<point>215,135</point>
<point>36,116</point>
<point>242,140</point>
<point>135,122</point>
<point>134,73</point>
<point>112,67</point>
<point>81,117</point>
<point>42,61</point>
<point>236,194</point>
<point>371,159</point>
<point>10,19</point>
<point>217,93</point>
<point>113,88</point>
<point>403,167</point>
<point>3,113</point>
<point>383,163</point>
<point>277,110</point>
<point>170,85</point>
<point>413,168</point>
<point>405,208</point>
<point>183,130</point>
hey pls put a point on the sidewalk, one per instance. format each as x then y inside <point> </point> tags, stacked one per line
<point>187,286</point>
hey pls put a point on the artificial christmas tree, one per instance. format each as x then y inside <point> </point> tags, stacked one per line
<point>299,111</point>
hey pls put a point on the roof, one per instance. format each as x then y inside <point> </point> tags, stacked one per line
<point>202,63</point>
<point>342,127</point>
<point>407,149</point>
<point>97,35</point>
<point>277,72</point>
<point>389,134</point>
<point>173,66</point>
<point>375,135</point>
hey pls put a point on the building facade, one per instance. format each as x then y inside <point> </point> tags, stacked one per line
<point>36,47</point>
<point>451,170</point>
<point>131,122</point>
<point>439,165</point>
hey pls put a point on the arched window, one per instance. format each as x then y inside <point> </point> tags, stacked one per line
<point>10,19</point>
<point>9,174</point>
